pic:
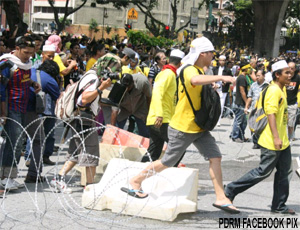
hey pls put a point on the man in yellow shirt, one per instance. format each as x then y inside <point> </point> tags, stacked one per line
<point>162,106</point>
<point>133,66</point>
<point>98,51</point>
<point>183,130</point>
<point>275,146</point>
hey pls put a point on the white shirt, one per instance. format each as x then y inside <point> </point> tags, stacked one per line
<point>268,77</point>
<point>220,72</point>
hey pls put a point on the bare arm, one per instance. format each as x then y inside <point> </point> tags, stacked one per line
<point>243,94</point>
<point>253,76</point>
<point>113,118</point>
<point>208,79</point>
<point>71,65</point>
<point>273,127</point>
<point>89,96</point>
<point>248,102</point>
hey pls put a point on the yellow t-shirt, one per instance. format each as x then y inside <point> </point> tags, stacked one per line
<point>146,71</point>
<point>183,119</point>
<point>273,96</point>
<point>126,69</point>
<point>60,64</point>
<point>90,63</point>
<point>163,97</point>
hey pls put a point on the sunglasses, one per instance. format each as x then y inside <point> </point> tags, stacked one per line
<point>26,43</point>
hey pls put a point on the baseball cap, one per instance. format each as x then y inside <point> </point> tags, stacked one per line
<point>129,53</point>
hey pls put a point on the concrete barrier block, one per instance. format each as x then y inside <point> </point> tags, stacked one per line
<point>116,136</point>
<point>171,192</point>
<point>108,152</point>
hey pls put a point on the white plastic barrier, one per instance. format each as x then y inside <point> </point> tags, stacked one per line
<point>171,192</point>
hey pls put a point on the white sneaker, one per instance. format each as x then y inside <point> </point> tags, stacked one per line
<point>9,184</point>
<point>60,186</point>
<point>16,183</point>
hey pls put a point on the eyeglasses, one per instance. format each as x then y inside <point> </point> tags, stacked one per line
<point>26,43</point>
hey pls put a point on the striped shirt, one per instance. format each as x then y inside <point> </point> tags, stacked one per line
<point>17,89</point>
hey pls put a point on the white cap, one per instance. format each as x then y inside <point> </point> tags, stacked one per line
<point>279,65</point>
<point>177,53</point>
<point>223,57</point>
<point>49,48</point>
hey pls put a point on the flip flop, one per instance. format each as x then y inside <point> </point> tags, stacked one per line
<point>133,192</point>
<point>225,207</point>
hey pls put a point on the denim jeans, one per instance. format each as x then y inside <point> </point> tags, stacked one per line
<point>240,123</point>
<point>269,159</point>
<point>49,123</point>
<point>12,151</point>
<point>36,133</point>
<point>143,130</point>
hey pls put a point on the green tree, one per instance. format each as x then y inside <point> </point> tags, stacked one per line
<point>152,23</point>
<point>67,11</point>
<point>93,27</point>
<point>108,29</point>
<point>242,29</point>
<point>142,37</point>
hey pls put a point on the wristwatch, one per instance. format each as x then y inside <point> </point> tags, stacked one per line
<point>99,92</point>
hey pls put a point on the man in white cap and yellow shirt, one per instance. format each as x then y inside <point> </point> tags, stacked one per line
<point>162,106</point>
<point>275,146</point>
<point>183,130</point>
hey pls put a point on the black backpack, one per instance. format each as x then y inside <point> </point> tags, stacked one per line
<point>208,115</point>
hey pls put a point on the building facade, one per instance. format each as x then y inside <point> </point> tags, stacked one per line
<point>106,15</point>
<point>118,18</point>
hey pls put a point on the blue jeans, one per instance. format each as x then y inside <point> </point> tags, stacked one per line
<point>35,131</point>
<point>239,123</point>
<point>13,147</point>
<point>269,159</point>
<point>143,130</point>
<point>49,123</point>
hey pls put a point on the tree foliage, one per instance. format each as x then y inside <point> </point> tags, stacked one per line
<point>152,23</point>
<point>93,26</point>
<point>141,37</point>
<point>242,29</point>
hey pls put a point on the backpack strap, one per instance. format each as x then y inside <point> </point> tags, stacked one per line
<point>83,89</point>
<point>182,82</point>
<point>38,77</point>
<point>263,98</point>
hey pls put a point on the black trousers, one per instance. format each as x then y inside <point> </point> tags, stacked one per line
<point>158,136</point>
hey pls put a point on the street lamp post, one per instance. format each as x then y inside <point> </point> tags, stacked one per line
<point>104,16</point>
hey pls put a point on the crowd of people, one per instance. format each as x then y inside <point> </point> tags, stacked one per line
<point>153,104</point>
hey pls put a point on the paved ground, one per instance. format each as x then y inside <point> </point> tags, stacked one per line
<point>38,207</point>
